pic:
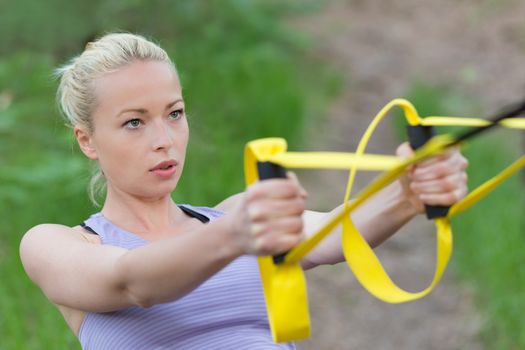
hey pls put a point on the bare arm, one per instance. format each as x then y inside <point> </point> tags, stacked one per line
<point>377,219</point>
<point>75,273</point>
<point>440,180</point>
<point>86,276</point>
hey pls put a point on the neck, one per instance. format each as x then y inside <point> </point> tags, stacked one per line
<point>143,216</point>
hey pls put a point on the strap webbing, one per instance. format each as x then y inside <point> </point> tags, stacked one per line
<point>284,284</point>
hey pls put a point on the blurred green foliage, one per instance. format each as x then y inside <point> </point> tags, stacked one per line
<point>488,239</point>
<point>245,75</point>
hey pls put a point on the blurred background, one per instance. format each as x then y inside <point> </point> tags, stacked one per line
<point>315,73</point>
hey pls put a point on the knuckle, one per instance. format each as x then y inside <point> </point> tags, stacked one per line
<point>442,169</point>
<point>265,245</point>
<point>293,241</point>
<point>254,213</point>
<point>461,193</point>
<point>414,187</point>
<point>252,192</point>
<point>292,187</point>
<point>257,230</point>
<point>444,157</point>
<point>290,241</point>
<point>463,162</point>
<point>260,246</point>
<point>453,197</point>
<point>448,184</point>
<point>299,206</point>
<point>434,172</point>
<point>297,225</point>
<point>284,184</point>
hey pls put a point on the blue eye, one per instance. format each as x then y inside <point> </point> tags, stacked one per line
<point>133,123</point>
<point>177,114</point>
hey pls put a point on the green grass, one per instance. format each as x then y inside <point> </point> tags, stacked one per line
<point>489,237</point>
<point>244,75</point>
<point>490,240</point>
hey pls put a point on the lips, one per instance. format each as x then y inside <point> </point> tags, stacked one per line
<point>165,170</point>
<point>166,165</point>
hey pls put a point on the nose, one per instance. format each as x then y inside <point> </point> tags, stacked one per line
<point>162,137</point>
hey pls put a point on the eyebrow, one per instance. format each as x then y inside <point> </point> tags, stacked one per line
<point>144,111</point>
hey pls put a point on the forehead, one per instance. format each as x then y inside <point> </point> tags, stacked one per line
<point>139,84</point>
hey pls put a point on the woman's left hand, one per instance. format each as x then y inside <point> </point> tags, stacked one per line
<point>440,180</point>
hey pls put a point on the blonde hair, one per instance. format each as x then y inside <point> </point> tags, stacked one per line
<point>76,97</point>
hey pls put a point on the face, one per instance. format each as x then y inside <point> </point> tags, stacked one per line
<point>140,129</point>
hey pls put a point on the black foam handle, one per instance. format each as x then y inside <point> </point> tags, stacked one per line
<point>269,170</point>
<point>418,135</point>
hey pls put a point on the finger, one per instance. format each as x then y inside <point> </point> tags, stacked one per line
<point>278,236</point>
<point>441,168</point>
<point>448,198</point>
<point>404,150</point>
<point>275,208</point>
<point>447,153</point>
<point>302,192</point>
<point>445,184</point>
<point>276,244</point>
<point>282,226</point>
<point>273,188</point>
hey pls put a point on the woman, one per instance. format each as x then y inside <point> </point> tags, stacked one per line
<point>146,273</point>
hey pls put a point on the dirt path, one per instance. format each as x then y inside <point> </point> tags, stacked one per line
<point>380,47</point>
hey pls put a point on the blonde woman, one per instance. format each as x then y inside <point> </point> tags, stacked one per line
<point>146,273</point>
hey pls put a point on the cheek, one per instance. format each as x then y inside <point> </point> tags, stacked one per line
<point>118,157</point>
<point>184,138</point>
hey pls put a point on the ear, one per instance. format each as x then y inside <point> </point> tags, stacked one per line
<point>85,141</point>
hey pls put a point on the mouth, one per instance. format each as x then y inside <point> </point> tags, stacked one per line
<point>166,165</point>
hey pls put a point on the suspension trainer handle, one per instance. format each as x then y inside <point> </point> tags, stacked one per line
<point>269,170</point>
<point>418,135</point>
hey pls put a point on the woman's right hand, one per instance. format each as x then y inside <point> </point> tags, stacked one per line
<point>267,219</point>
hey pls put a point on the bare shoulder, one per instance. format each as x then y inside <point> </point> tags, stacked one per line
<point>43,241</point>
<point>41,233</point>
<point>70,268</point>
<point>49,233</point>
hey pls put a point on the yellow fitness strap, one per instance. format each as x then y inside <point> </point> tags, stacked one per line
<point>284,283</point>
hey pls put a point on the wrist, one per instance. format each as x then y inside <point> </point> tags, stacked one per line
<point>230,244</point>
<point>406,199</point>
<point>396,200</point>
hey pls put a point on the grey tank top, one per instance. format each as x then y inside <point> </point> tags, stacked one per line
<point>227,311</point>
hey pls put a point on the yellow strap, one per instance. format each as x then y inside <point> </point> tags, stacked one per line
<point>368,269</point>
<point>360,257</point>
<point>284,284</point>
<point>335,160</point>
<point>514,123</point>
<point>484,189</point>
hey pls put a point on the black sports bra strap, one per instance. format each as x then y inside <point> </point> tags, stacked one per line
<point>87,228</point>
<point>202,218</point>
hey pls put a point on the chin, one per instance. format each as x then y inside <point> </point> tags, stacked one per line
<point>155,192</point>
<point>162,192</point>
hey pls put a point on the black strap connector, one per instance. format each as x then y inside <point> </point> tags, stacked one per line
<point>269,170</point>
<point>418,135</point>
